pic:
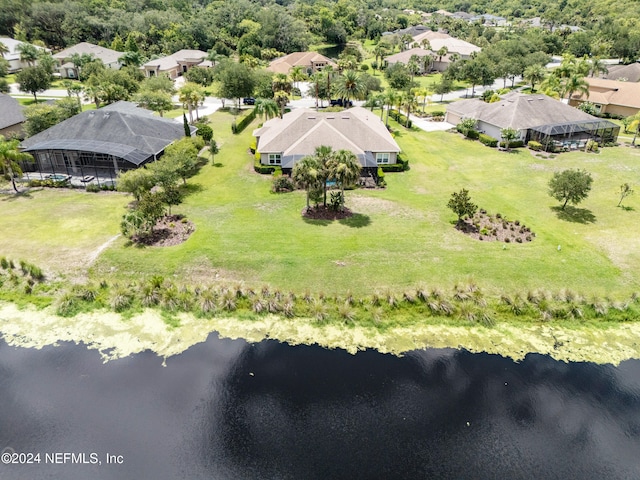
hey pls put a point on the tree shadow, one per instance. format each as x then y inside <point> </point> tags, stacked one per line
<point>313,221</point>
<point>357,220</point>
<point>217,165</point>
<point>575,215</point>
<point>191,188</point>
<point>13,196</point>
<point>627,209</point>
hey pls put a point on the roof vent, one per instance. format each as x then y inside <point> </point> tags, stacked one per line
<point>311,118</point>
<point>346,117</point>
<point>330,117</point>
<point>106,114</point>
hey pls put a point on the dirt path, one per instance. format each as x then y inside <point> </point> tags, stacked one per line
<point>96,253</point>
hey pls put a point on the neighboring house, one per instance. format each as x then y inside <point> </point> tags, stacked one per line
<point>310,62</point>
<point>438,40</point>
<point>611,97</point>
<point>623,73</point>
<point>436,62</point>
<point>102,142</point>
<point>13,55</point>
<point>284,141</point>
<point>11,117</point>
<point>107,56</point>
<point>535,117</point>
<point>176,64</point>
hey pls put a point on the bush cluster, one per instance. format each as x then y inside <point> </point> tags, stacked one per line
<point>513,144</point>
<point>265,169</point>
<point>533,145</point>
<point>488,140</point>
<point>472,134</point>
<point>237,127</point>
<point>400,118</point>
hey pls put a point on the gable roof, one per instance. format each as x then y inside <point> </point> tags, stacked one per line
<point>299,132</point>
<point>106,55</point>
<point>172,61</point>
<point>404,57</point>
<point>297,59</point>
<point>10,111</point>
<point>437,40</point>
<point>520,111</point>
<point>133,137</point>
<point>12,45</point>
<point>629,73</point>
<point>611,92</point>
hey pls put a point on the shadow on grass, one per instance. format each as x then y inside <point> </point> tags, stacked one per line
<point>217,165</point>
<point>13,196</point>
<point>573,214</point>
<point>357,220</point>
<point>627,209</point>
<point>313,221</point>
<point>191,188</point>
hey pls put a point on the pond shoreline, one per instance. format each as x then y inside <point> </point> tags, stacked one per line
<point>117,337</point>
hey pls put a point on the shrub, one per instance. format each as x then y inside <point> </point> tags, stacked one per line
<point>533,145</point>
<point>93,188</point>
<point>282,184</point>
<point>488,140</point>
<point>437,113</point>
<point>394,167</point>
<point>237,127</point>
<point>472,134</point>
<point>513,144</point>
<point>263,169</point>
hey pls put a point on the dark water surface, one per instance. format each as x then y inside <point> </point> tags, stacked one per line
<point>225,409</point>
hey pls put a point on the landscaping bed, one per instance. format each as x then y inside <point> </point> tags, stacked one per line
<point>492,228</point>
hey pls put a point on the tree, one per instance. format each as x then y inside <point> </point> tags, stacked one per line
<point>28,53</point>
<point>204,131</point>
<point>39,117</point>
<point>306,174</point>
<point>282,99</point>
<point>267,107</point>
<point>625,191</point>
<point>467,124</point>
<point>158,101</point>
<point>34,80</point>
<point>445,85</point>
<point>131,58</point>
<point>534,74</point>
<point>596,66</point>
<point>79,61</point>
<point>461,204</point>
<point>191,94</point>
<point>236,80</point>
<point>508,135</point>
<point>323,154</point>
<point>570,186</point>
<point>10,158</point>
<point>201,75</point>
<point>344,168</point>
<point>349,86</point>
<point>187,129</point>
<point>213,150</point>
<point>136,182</point>
<point>298,75</point>
<point>575,83</point>
<point>398,76</point>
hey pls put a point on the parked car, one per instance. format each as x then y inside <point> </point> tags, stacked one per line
<point>249,101</point>
<point>341,103</point>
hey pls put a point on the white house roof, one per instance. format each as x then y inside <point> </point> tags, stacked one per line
<point>299,132</point>
<point>106,55</point>
<point>12,45</point>
<point>172,61</point>
<point>437,40</point>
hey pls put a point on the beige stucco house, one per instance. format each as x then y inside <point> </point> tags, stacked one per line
<point>174,65</point>
<point>611,96</point>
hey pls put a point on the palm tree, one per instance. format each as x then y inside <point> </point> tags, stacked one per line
<point>297,75</point>
<point>575,83</point>
<point>282,99</point>
<point>350,86</point>
<point>79,61</point>
<point>596,65</point>
<point>306,174</point>
<point>390,100</point>
<point>423,93</point>
<point>3,49</point>
<point>323,155</point>
<point>191,94</point>
<point>425,44</point>
<point>281,82</point>
<point>410,103</point>
<point>10,158</point>
<point>28,53</point>
<point>413,65</point>
<point>267,107</point>
<point>131,58</point>
<point>214,57</point>
<point>552,86</point>
<point>379,51</point>
<point>534,74</point>
<point>345,168</point>
<point>441,53</point>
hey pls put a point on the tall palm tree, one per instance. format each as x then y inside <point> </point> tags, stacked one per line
<point>379,51</point>
<point>350,86</point>
<point>323,154</point>
<point>344,168</point>
<point>425,44</point>
<point>282,99</point>
<point>3,49</point>
<point>131,58</point>
<point>441,53</point>
<point>596,65</point>
<point>191,94</point>
<point>281,82</point>
<point>297,75</point>
<point>214,57</point>
<point>390,100</point>
<point>28,53</point>
<point>79,61</point>
<point>267,107</point>
<point>410,103</point>
<point>575,83</point>
<point>534,74</point>
<point>306,174</point>
<point>10,158</point>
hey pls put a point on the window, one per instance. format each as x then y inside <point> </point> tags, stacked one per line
<point>382,158</point>
<point>274,159</point>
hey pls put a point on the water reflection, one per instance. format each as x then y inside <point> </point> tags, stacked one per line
<point>228,410</point>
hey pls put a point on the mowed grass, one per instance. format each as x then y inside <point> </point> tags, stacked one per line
<point>400,237</point>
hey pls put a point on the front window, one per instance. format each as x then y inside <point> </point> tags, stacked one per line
<point>382,158</point>
<point>274,159</point>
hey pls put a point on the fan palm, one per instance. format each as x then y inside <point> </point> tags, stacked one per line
<point>344,167</point>
<point>10,158</point>
<point>350,86</point>
<point>306,174</point>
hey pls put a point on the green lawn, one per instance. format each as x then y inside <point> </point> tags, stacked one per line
<point>399,237</point>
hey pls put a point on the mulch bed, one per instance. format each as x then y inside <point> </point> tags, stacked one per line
<point>495,228</point>
<point>169,230</point>
<point>325,213</point>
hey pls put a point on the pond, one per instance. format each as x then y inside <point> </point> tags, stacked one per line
<point>227,409</point>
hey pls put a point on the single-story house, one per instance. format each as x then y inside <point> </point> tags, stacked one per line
<point>284,141</point>
<point>13,55</point>
<point>310,62</point>
<point>611,96</point>
<point>535,117</point>
<point>438,40</point>
<point>102,142</point>
<point>107,56</point>
<point>437,62</point>
<point>11,117</point>
<point>623,73</point>
<point>176,64</point>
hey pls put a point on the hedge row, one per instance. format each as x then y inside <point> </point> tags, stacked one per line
<point>513,144</point>
<point>400,118</point>
<point>488,140</point>
<point>265,169</point>
<point>400,166</point>
<point>244,121</point>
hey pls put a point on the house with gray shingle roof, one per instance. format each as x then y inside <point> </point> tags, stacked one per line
<point>107,56</point>
<point>535,117</point>
<point>103,142</point>
<point>11,117</point>
<point>284,141</point>
<point>623,73</point>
